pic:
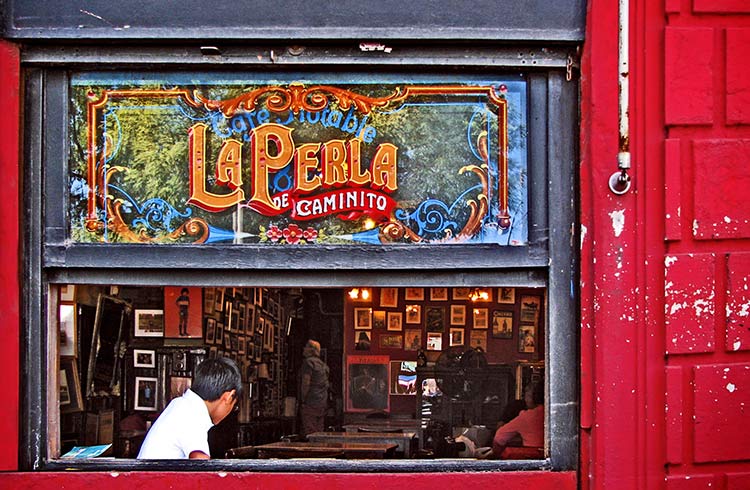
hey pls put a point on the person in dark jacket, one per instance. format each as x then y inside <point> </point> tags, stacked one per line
<point>313,390</point>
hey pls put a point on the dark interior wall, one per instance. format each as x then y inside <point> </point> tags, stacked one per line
<point>499,350</point>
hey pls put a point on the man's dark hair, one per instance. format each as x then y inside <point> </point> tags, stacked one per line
<point>213,377</point>
<point>184,290</point>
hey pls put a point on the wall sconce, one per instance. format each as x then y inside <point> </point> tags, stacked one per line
<point>359,294</point>
<point>477,294</point>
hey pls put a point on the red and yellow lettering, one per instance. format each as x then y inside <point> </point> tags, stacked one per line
<point>199,196</point>
<point>306,162</point>
<point>263,163</point>
<point>333,158</point>
<point>384,167</point>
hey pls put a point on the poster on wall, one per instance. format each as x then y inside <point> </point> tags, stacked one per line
<point>183,312</point>
<point>367,381</point>
<point>167,158</point>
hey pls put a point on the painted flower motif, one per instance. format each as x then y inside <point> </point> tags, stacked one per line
<point>503,88</point>
<point>310,234</point>
<point>274,233</point>
<point>292,234</point>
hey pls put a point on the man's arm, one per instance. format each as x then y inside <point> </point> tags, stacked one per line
<point>199,455</point>
<point>304,387</point>
<point>501,439</point>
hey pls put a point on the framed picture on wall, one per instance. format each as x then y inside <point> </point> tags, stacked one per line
<point>460,294</point>
<point>144,358</point>
<point>71,397</point>
<point>178,386</point>
<point>530,306</point>
<point>434,318</point>
<point>208,299</point>
<point>391,341</point>
<point>412,339</point>
<point>458,314</point>
<point>502,324</point>
<point>480,318</point>
<point>434,341</point>
<point>367,383</point>
<point>414,294</point>
<point>183,312</point>
<point>456,336</point>
<point>438,294</point>
<point>210,330</point>
<point>388,297</point>
<point>506,295</point>
<point>362,318</point>
<point>378,319</point>
<point>149,323</point>
<point>219,299</point>
<point>363,339</point>
<point>68,293</point>
<point>145,394</point>
<point>527,338</point>
<point>478,339</point>
<point>413,314</point>
<point>395,321</point>
<point>67,336</point>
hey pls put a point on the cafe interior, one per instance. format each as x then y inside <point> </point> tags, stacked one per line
<point>446,366</point>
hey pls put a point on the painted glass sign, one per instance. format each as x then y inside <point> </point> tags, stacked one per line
<point>298,160</point>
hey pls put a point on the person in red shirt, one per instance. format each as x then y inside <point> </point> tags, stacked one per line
<point>528,425</point>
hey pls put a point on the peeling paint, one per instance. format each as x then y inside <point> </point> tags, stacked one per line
<point>618,221</point>
<point>669,260</point>
<point>737,344</point>
<point>727,219</point>
<point>731,387</point>
<point>584,230</point>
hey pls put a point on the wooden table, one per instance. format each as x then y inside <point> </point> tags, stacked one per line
<point>405,440</point>
<point>383,425</point>
<point>347,450</point>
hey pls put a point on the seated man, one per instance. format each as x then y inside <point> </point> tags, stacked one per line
<point>181,431</point>
<point>528,425</point>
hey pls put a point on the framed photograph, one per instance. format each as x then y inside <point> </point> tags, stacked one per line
<point>228,340</point>
<point>530,306</point>
<point>438,294</point>
<point>178,385</point>
<point>412,339</point>
<point>391,341</point>
<point>67,333</point>
<point>249,325</point>
<point>145,394</point>
<point>403,377</point>
<point>388,297</point>
<point>480,318</point>
<point>363,338</point>
<point>478,339</point>
<point>458,314</point>
<point>502,324</point>
<point>456,336</point>
<point>414,294</point>
<point>71,397</point>
<point>367,382</point>
<point>378,319</point>
<point>210,330</point>
<point>434,341</point>
<point>527,338</point>
<point>209,295</point>
<point>506,295</point>
<point>219,339</point>
<point>413,314</point>
<point>68,293</point>
<point>144,358</point>
<point>434,318</point>
<point>461,294</point>
<point>362,318</point>
<point>149,323</point>
<point>219,299</point>
<point>183,312</point>
<point>241,344</point>
<point>395,321</point>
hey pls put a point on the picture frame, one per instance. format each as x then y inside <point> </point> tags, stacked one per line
<point>67,333</point>
<point>363,339</point>
<point>502,324</point>
<point>67,293</point>
<point>144,358</point>
<point>249,325</point>
<point>178,385</point>
<point>210,330</point>
<point>434,341</point>
<point>362,318</point>
<point>461,294</point>
<point>395,321</point>
<point>183,312</point>
<point>403,378</point>
<point>149,323</point>
<point>412,339</point>
<point>414,294</point>
<point>391,341</point>
<point>378,319</point>
<point>506,295</point>
<point>458,314</point>
<point>478,339</point>
<point>527,338</point>
<point>241,344</point>
<point>209,295</point>
<point>530,307</point>
<point>456,336</point>
<point>434,317</point>
<point>480,318</point>
<point>219,338</point>
<point>413,314</point>
<point>146,394</point>
<point>388,297</point>
<point>438,294</point>
<point>367,379</point>
<point>219,300</point>
<point>70,393</point>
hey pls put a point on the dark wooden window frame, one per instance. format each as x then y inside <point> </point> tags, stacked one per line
<point>549,260</point>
